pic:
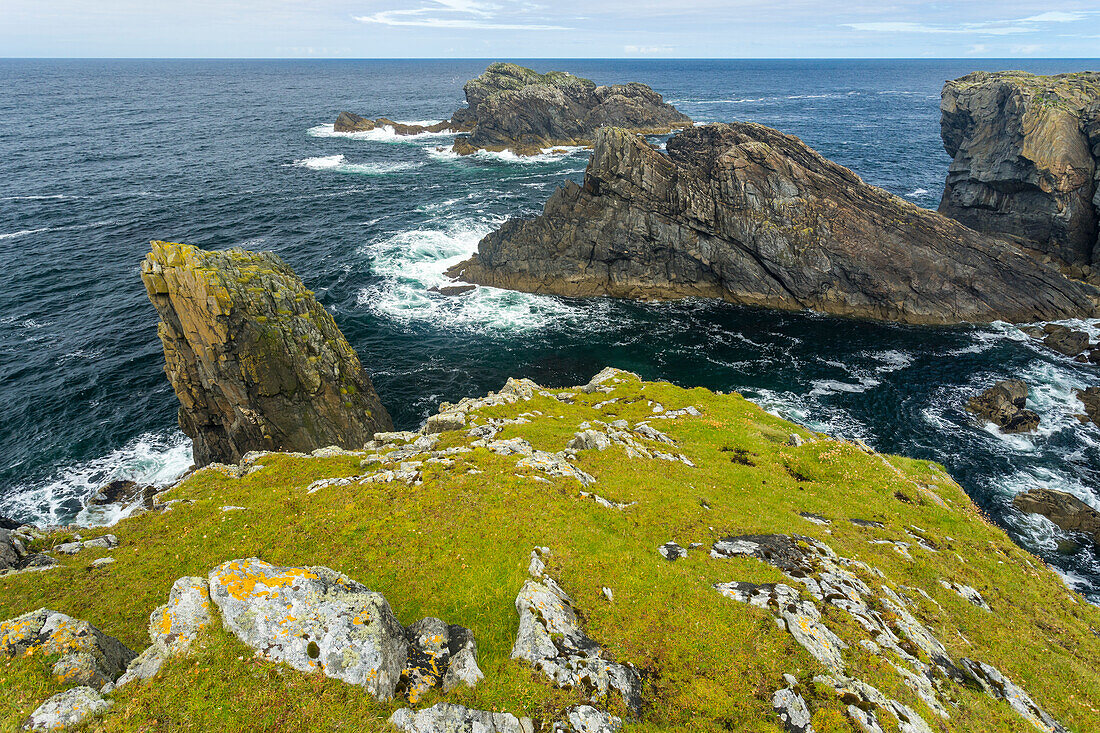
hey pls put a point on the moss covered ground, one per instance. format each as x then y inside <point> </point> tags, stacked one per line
<point>457,547</point>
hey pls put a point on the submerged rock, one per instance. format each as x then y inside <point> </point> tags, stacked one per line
<point>1065,510</point>
<point>1003,404</point>
<point>256,362</point>
<point>1025,151</point>
<point>66,709</point>
<point>746,214</point>
<point>86,656</point>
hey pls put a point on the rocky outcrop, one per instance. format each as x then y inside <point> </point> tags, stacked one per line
<point>85,655</point>
<point>747,214</point>
<point>511,107</point>
<point>316,619</point>
<point>516,108</point>
<point>1090,398</point>
<point>551,639</point>
<point>1025,151</point>
<point>256,362</point>
<point>448,718</point>
<point>1065,510</point>
<point>349,122</point>
<point>1005,405</point>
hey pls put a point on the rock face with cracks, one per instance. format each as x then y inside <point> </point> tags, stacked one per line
<point>256,362</point>
<point>172,627</point>
<point>1025,150</point>
<point>86,656</point>
<point>747,214</point>
<point>448,718</point>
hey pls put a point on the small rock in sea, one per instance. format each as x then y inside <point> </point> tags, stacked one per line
<point>1065,340</point>
<point>1004,405</point>
<point>452,289</point>
<point>1065,510</point>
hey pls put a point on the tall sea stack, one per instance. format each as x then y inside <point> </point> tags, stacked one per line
<point>256,361</point>
<point>1025,151</point>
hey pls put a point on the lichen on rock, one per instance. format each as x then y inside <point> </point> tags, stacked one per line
<point>256,362</point>
<point>85,655</point>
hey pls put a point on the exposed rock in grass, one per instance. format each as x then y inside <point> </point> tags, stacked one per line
<point>671,551</point>
<point>890,626</point>
<point>1001,688</point>
<point>550,637</point>
<point>967,592</point>
<point>792,709</point>
<point>440,655</point>
<point>313,618</point>
<point>172,627</point>
<point>86,656</point>
<point>587,719</point>
<point>447,718</point>
<point>66,710</point>
<point>256,361</point>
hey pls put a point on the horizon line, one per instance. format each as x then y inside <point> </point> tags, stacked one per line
<point>550,58</point>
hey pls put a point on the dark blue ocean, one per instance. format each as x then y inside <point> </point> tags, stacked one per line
<point>98,157</point>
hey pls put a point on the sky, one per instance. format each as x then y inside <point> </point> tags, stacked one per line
<point>558,29</point>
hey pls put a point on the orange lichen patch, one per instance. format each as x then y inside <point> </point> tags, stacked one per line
<point>16,630</point>
<point>242,583</point>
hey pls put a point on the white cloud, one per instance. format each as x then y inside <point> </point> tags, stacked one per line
<point>976,49</point>
<point>1027,49</point>
<point>989,28</point>
<point>647,50</point>
<point>484,17</point>
<point>1055,16</point>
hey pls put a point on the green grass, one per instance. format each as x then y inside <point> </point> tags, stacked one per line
<point>457,547</point>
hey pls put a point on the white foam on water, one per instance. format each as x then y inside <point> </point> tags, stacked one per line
<point>149,459</point>
<point>548,155</point>
<point>918,192</point>
<point>892,360</point>
<point>822,387</point>
<point>56,196</point>
<point>383,134</point>
<point>340,164</point>
<point>412,261</point>
<point>23,232</point>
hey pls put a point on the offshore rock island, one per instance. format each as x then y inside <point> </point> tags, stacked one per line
<point>749,215</point>
<point>511,107</point>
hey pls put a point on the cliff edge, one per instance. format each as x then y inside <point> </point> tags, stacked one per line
<point>256,361</point>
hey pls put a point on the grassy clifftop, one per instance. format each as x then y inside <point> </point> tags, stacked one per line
<point>452,539</point>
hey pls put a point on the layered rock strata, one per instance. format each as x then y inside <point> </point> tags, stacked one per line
<point>511,107</point>
<point>256,362</point>
<point>749,215</point>
<point>1025,152</point>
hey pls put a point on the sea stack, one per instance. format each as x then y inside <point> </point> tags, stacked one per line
<point>1025,151</point>
<point>256,361</point>
<point>747,214</point>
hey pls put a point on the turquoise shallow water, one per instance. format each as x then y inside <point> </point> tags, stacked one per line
<point>98,157</point>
